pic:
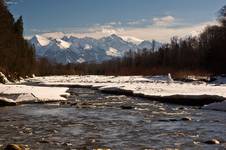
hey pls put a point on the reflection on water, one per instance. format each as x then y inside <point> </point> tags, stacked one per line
<point>94,120</point>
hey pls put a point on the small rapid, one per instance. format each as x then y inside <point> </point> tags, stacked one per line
<point>91,120</point>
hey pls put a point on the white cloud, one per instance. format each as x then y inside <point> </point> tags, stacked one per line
<point>115,23</point>
<point>136,22</point>
<point>163,33</point>
<point>133,22</point>
<point>160,33</point>
<point>54,34</point>
<point>163,21</point>
<point>13,2</point>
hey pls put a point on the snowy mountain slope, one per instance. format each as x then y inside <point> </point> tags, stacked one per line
<point>40,44</point>
<point>131,39</point>
<point>78,50</point>
<point>112,52</point>
<point>149,44</point>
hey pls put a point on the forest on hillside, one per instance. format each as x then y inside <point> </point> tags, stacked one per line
<point>17,56</point>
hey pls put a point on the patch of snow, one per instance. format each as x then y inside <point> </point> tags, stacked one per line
<point>68,60</point>
<point>81,60</point>
<point>112,52</point>
<point>26,97</point>
<point>63,44</point>
<point>39,92</point>
<point>43,41</point>
<point>132,39</point>
<point>87,47</point>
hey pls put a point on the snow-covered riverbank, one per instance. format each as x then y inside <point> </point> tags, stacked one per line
<point>15,94</point>
<point>158,87</point>
<point>52,88</point>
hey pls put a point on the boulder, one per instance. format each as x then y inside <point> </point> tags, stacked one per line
<point>16,147</point>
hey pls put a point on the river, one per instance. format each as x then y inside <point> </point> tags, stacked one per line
<point>92,120</point>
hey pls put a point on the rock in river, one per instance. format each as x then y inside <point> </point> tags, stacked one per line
<point>213,141</point>
<point>127,107</point>
<point>16,147</point>
<point>186,119</point>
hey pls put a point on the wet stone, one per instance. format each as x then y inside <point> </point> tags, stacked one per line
<point>16,147</point>
<point>174,119</point>
<point>167,120</point>
<point>55,131</point>
<point>196,142</point>
<point>216,121</point>
<point>181,108</point>
<point>73,104</point>
<point>27,130</point>
<point>213,141</point>
<point>67,144</point>
<point>126,107</point>
<point>186,119</point>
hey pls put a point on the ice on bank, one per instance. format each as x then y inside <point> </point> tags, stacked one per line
<point>30,94</point>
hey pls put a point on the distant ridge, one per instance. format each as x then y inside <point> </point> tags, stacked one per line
<point>71,49</point>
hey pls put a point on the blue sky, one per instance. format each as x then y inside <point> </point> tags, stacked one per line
<point>144,19</point>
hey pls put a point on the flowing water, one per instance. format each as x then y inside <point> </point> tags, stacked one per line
<point>93,120</point>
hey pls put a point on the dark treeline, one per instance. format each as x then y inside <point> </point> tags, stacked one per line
<point>202,55</point>
<point>17,57</point>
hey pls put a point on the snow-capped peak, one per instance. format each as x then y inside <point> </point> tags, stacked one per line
<point>112,37</point>
<point>40,40</point>
<point>63,44</point>
<point>70,49</point>
<point>132,39</point>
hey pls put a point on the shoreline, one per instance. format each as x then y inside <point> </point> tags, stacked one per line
<point>187,100</point>
<point>155,88</point>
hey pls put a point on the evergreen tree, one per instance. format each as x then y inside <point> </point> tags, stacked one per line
<point>16,55</point>
<point>222,16</point>
<point>18,26</point>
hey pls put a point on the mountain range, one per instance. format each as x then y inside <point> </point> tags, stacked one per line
<point>70,49</point>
